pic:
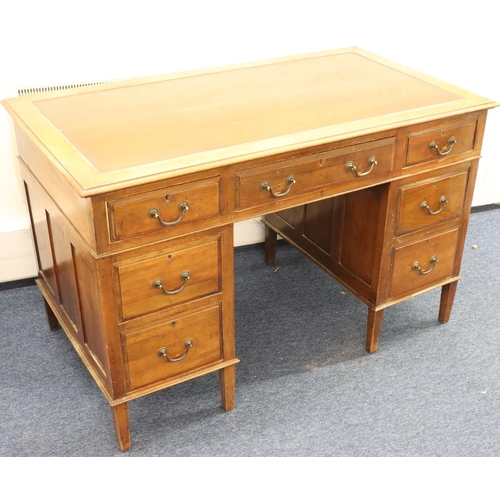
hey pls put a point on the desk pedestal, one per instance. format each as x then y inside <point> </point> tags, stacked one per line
<point>364,240</point>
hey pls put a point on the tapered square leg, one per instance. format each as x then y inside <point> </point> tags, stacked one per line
<point>51,317</point>
<point>270,246</point>
<point>374,325</point>
<point>227,377</point>
<point>122,426</point>
<point>447,298</point>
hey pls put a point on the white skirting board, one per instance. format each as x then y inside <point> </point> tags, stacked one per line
<point>248,232</point>
<point>17,256</point>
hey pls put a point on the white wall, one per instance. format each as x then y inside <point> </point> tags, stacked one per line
<point>53,42</point>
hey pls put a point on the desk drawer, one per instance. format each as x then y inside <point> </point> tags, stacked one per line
<point>432,201</point>
<point>178,346</point>
<point>444,141</point>
<point>355,165</point>
<point>164,211</point>
<point>168,278</point>
<point>419,265</point>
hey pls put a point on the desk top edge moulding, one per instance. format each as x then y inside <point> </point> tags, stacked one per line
<point>115,135</point>
<point>133,188</point>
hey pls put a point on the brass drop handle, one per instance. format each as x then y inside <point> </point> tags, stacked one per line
<point>442,202</point>
<point>154,213</point>
<point>451,142</point>
<point>351,167</point>
<point>162,352</point>
<point>433,261</point>
<point>185,277</point>
<point>291,180</point>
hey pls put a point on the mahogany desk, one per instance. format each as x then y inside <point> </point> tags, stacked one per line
<point>133,189</point>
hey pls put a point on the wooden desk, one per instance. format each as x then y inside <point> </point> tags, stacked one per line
<point>134,187</point>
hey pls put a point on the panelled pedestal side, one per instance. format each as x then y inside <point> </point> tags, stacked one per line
<point>393,241</point>
<point>68,277</point>
<point>147,317</point>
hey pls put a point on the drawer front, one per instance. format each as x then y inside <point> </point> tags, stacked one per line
<point>166,211</point>
<point>430,202</point>
<point>181,345</point>
<point>420,265</point>
<point>168,279</point>
<point>360,165</point>
<point>440,143</point>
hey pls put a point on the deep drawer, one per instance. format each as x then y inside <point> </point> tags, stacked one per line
<point>442,142</point>
<point>167,279</point>
<point>178,346</point>
<point>429,202</point>
<point>357,165</point>
<point>164,211</point>
<point>419,265</point>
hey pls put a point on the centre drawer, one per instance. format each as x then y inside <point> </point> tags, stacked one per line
<point>168,278</point>
<point>358,166</point>
<point>176,347</point>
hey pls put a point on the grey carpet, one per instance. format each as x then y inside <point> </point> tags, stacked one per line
<point>305,385</point>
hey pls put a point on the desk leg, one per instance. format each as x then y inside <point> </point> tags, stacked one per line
<point>270,246</point>
<point>447,297</point>
<point>374,326</point>
<point>51,317</point>
<point>227,378</point>
<point>122,426</point>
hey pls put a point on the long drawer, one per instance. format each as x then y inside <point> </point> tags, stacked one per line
<point>357,166</point>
